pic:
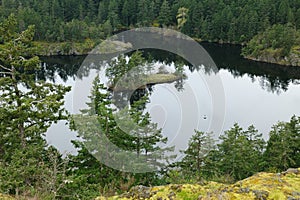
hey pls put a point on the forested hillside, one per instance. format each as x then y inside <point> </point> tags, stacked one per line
<point>217,20</point>
<point>278,44</point>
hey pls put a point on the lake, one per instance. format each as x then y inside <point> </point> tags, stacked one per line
<point>258,94</point>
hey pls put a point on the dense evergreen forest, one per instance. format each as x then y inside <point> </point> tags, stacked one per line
<point>30,168</point>
<point>215,20</point>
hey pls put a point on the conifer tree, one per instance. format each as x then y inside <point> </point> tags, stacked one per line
<point>165,17</point>
<point>28,108</point>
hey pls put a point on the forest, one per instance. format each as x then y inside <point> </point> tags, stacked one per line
<point>30,168</point>
<point>235,21</point>
<point>75,27</point>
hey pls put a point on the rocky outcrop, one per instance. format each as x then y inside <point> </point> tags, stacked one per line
<point>111,46</point>
<point>271,56</point>
<point>262,186</point>
<point>81,48</point>
<point>150,79</point>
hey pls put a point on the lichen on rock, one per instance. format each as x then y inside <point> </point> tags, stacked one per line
<point>262,186</point>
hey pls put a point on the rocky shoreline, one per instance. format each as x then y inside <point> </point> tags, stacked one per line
<point>90,47</point>
<point>293,59</point>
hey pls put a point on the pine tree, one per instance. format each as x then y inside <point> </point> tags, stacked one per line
<point>99,119</point>
<point>119,67</point>
<point>113,14</point>
<point>199,147</point>
<point>283,12</point>
<point>125,13</point>
<point>283,146</point>
<point>145,12</point>
<point>91,10</point>
<point>28,108</point>
<point>196,16</point>
<point>102,11</point>
<point>234,149</point>
<point>165,17</point>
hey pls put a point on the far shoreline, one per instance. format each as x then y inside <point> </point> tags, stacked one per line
<point>84,48</point>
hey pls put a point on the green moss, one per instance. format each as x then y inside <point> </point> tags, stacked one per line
<point>260,186</point>
<point>148,79</point>
<point>162,78</point>
<point>6,197</point>
<point>277,195</point>
<point>187,195</point>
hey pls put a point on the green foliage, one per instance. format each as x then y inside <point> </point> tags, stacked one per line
<point>113,14</point>
<point>145,15</point>
<point>278,37</point>
<point>28,167</point>
<point>121,66</point>
<point>165,16</point>
<point>182,17</point>
<point>89,175</point>
<point>28,108</point>
<point>218,20</point>
<point>196,155</point>
<point>283,146</point>
<point>241,152</point>
<point>238,155</point>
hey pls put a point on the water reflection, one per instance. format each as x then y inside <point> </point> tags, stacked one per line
<point>272,78</point>
<point>256,93</point>
<point>65,67</point>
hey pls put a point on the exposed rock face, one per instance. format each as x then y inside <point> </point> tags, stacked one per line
<point>111,46</point>
<point>262,186</point>
<point>293,59</point>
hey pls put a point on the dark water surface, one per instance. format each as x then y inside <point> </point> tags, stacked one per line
<point>255,93</point>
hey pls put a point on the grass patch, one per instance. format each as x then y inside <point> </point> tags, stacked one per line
<point>150,79</point>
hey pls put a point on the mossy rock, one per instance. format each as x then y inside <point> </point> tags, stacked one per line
<point>260,186</point>
<point>6,197</point>
<point>111,46</point>
<point>150,79</point>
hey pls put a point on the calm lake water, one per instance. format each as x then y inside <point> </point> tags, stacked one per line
<point>256,94</point>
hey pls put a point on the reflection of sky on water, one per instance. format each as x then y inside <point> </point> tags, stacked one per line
<point>247,103</point>
<point>184,110</point>
<point>179,113</point>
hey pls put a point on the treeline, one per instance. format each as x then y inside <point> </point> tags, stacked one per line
<point>216,20</point>
<point>240,153</point>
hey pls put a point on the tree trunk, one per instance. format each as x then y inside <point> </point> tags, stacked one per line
<point>19,104</point>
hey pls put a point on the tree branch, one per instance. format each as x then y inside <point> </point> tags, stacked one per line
<point>5,68</point>
<point>22,58</point>
<point>6,73</point>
